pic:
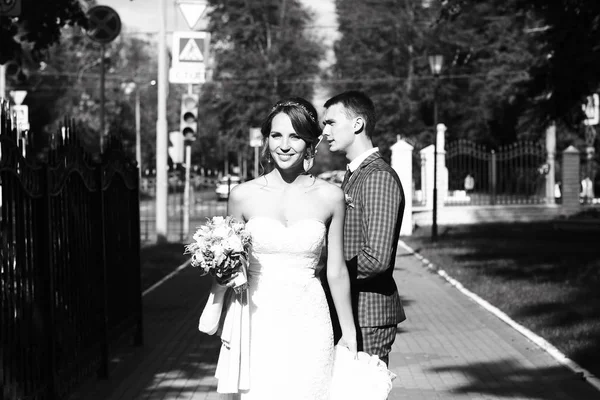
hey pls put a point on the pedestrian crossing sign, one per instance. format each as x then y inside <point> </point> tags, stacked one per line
<point>190,48</point>
<point>191,52</point>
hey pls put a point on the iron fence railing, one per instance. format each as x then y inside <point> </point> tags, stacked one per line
<point>512,174</point>
<point>69,265</point>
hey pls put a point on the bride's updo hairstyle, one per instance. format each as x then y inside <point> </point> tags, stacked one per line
<point>304,119</point>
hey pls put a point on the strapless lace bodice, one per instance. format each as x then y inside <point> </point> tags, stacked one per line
<point>298,244</point>
<point>291,338</point>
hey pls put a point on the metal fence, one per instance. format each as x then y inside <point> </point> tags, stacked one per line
<point>69,265</point>
<point>512,174</point>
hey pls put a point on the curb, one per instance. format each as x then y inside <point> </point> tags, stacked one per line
<point>539,341</point>
<point>166,278</point>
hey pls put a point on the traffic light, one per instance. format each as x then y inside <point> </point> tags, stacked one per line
<point>189,116</point>
<point>175,148</point>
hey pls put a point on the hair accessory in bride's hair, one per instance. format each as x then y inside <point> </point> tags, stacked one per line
<point>295,104</point>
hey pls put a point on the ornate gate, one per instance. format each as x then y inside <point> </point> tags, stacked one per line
<point>512,174</point>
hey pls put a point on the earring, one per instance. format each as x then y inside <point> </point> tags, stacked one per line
<point>309,160</point>
<point>269,159</point>
<point>308,163</point>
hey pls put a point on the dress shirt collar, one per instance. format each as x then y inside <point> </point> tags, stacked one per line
<point>354,164</point>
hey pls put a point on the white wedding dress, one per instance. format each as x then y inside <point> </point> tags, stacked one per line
<point>291,337</point>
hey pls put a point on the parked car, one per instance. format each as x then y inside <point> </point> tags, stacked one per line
<point>225,184</point>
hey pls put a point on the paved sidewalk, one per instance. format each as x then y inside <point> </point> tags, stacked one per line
<point>448,348</point>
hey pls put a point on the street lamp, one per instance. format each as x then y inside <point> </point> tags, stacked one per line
<point>435,63</point>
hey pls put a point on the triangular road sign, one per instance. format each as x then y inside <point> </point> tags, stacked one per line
<point>191,52</point>
<point>18,96</point>
<point>192,11</point>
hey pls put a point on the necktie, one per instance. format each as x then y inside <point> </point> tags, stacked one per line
<point>346,177</point>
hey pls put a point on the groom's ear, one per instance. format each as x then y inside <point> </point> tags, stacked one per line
<point>359,125</point>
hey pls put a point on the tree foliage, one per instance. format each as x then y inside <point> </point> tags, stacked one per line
<point>261,53</point>
<point>381,51</point>
<point>511,66</point>
<point>565,69</point>
<point>67,84</point>
<point>37,28</point>
<point>480,93</point>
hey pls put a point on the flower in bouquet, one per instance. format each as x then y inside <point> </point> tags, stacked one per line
<point>220,247</point>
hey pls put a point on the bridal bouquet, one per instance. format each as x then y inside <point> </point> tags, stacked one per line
<point>220,248</point>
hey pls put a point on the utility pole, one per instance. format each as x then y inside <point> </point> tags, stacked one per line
<point>138,133</point>
<point>161,129</point>
<point>102,77</point>
<point>2,81</point>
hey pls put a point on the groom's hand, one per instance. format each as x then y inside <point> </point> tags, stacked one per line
<point>350,344</point>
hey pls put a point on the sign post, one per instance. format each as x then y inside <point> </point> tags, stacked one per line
<point>104,27</point>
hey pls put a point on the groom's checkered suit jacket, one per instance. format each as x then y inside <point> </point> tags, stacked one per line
<point>371,233</point>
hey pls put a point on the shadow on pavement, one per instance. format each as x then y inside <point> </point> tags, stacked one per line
<point>507,378</point>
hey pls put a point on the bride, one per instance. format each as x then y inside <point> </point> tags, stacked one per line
<point>291,214</point>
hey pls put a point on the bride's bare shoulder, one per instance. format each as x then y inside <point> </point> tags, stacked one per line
<point>248,189</point>
<point>329,191</point>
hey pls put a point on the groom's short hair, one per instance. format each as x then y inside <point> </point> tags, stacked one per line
<point>356,104</point>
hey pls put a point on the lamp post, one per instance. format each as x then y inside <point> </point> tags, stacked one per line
<point>435,63</point>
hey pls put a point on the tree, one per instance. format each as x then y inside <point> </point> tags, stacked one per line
<point>262,53</point>
<point>380,52</point>
<point>565,70</point>
<point>488,55</point>
<point>66,84</point>
<point>481,92</point>
<point>38,27</point>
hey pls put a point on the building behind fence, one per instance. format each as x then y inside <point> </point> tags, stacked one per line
<point>70,261</point>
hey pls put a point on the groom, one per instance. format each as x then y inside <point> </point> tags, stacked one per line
<point>374,209</point>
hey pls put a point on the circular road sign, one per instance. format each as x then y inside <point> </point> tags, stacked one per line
<point>104,24</point>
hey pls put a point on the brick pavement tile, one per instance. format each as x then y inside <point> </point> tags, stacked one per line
<point>463,351</point>
<point>176,360</point>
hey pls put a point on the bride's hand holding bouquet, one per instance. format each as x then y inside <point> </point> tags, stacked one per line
<point>220,248</point>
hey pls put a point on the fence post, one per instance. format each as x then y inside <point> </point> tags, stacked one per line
<point>402,163</point>
<point>442,171</point>
<point>570,181</point>
<point>103,369</point>
<point>492,179</point>
<point>550,160</point>
<point>427,175</point>
<point>50,317</point>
